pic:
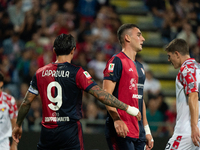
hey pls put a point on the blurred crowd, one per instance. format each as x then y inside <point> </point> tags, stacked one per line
<point>28,29</point>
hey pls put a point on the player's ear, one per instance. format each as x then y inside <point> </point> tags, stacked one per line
<point>1,84</point>
<point>127,38</point>
<point>177,54</point>
<point>72,52</point>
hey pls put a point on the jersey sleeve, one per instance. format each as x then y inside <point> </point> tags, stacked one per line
<point>33,86</point>
<point>13,108</point>
<point>113,69</point>
<point>187,77</point>
<point>84,81</point>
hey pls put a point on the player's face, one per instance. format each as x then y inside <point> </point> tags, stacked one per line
<point>174,59</point>
<point>136,39</point>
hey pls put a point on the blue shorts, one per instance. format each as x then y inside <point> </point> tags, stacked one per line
<point>67,137</point>
<point>119,143</point>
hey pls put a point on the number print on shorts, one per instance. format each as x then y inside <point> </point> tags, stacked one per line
<point>58,99</point>
<point>168,146</point>
<point>176,143</point>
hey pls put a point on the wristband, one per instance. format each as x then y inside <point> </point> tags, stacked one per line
<point>132,111</point>
<point>147,129</point>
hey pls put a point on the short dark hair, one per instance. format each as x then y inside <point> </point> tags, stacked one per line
<point>1,77</point>
<point>64,44</point>
<point>179,45</point>
<point>122,29</point>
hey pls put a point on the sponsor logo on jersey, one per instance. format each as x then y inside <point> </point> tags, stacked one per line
<point>56,119</point>
<point>111,67</point>
<point>137,96</point>
<point>87,74</point>
<point>132,84</point>
<point>130,69</point>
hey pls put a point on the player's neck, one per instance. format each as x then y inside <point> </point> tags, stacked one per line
<point>184,58</point>
<point>130,53</point>
<point>63,59</point>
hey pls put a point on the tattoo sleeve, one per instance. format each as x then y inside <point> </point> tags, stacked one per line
<point>24,108</point>
<point>107,98</point>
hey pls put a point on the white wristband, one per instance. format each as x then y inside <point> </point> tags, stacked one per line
<point>132,111</point>
<point>147,129</point>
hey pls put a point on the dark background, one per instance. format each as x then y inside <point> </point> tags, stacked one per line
<point>29,141</point>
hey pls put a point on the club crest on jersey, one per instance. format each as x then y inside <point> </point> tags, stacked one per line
<point>87,74</point>
<point>111,67</point>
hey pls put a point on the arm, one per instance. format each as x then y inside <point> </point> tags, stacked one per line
<point>110,100</point>
<point>149,138</point>
<point>14,144</point>
<point>194,112</point>
<point>23,110</point>
<point>120,127</point>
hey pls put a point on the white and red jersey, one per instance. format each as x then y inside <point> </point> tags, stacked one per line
<point>187,81</point>
<point>8,110</point>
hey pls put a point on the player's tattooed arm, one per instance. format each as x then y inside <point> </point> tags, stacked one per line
<point>24,108</point>
<point>107,98</point>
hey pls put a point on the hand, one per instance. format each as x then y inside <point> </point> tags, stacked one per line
<point>195,135</point>
<point>17,133</point>
<point>149,142</point>
<point>131,110</point>
<point>121,128</point>
<point>138,116</point>
<point>13,145</point>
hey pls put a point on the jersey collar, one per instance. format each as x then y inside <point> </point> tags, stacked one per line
<point>188,60</point>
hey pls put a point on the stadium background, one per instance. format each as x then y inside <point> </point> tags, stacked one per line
<point>27,31</point>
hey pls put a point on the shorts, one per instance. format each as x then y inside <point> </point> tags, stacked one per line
<point>181,142</point>
<point>66,137</point>
<point>5,144</point>
<point>119,143</point>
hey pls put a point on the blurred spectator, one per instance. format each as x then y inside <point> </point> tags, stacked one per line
<point>7,69</point>
<point>111,46</point>
<point>195,53</point>
<point>182,7</point>
<point>171,117</point>
<point>13,46</point>
<point>151,84</point>
<point>162,105</point>
<point>71,16</point>
<point>99,31</point>
<point>46,57</point>
<point>81,60</point>
<point>87,10</point>
<point>187,34</point>
<point>6,27</point>
<point>34,113</point>
<point>98,64</point>
<point>154,117</point>
<point>16,14</point>
<point>198,35</point>
<point>171,26</point>
<point>157,7</point>
<point>28,28</point>
<point>23,65</point>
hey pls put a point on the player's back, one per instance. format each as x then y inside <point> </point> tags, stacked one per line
<point>60,95</point>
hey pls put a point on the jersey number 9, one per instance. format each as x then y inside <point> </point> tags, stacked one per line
<point>56,100</point>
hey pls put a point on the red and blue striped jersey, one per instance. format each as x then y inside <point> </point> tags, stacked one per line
<point>60,86</point>
<point>129,77</point>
